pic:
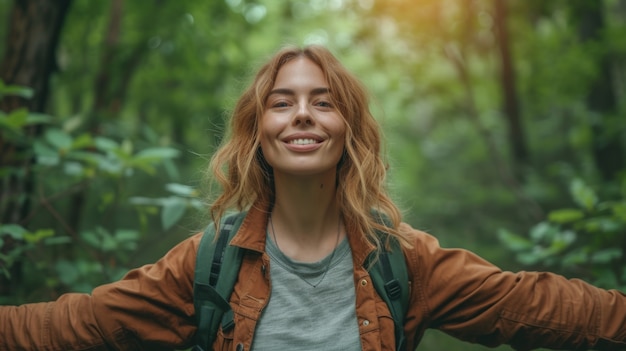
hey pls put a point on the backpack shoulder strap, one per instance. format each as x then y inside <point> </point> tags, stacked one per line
<point>217,268</point>
<point>390,277</point>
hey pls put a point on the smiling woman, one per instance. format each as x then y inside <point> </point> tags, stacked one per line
<point>302,165</point>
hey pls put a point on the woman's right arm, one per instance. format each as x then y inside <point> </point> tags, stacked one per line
<point>151,308</point>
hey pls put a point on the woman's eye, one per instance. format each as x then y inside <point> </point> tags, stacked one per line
<point>324,103</point>
<point>279,104</point>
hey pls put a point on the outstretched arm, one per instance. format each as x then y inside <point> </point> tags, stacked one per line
<point>151,308</point>
<point>471,299</point>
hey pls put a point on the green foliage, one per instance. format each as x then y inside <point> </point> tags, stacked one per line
<point>584,241</point>
<point>70,167</point>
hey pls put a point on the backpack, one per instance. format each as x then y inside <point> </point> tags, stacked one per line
<point>214,282</point>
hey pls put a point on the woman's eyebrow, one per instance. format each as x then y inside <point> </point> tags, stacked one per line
<point>285,91</point>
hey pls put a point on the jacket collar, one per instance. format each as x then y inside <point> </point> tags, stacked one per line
<point>252,232</point>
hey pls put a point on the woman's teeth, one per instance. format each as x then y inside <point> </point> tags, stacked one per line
<point>302,141</point>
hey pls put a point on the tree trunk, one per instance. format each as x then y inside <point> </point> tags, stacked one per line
<point>608,151</point>
<point>33,35</point>
<point>519,149</point>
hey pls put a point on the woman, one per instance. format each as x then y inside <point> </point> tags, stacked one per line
<point>303,159</point>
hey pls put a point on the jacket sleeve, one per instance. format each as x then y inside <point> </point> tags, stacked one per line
<point>151,308</point>
<point>473,300</point>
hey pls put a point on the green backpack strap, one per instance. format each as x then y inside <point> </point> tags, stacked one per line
<point>390,277</point>
<point>217,268</point>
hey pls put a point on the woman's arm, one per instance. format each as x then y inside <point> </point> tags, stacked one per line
<point>151,308</point>
<point>475,301</point>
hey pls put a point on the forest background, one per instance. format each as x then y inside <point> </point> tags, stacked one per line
<point>504,123</point>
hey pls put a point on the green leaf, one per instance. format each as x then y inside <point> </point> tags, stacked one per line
<point>156,154</point>
<point>513,241</point>
<point>59,139</point>
<point>602,225</point>
<point>566,215</point>
<point>38,118</point>
<point>173,211</point>
<point>15,120</point>
<point>145,201</point>
<point>38,235</point>
<point>58,240</point>
<point>528,258</point>
<point>67,272</point>
<point>583,195</point>
<point>181,189</point>
<point>126,234</point>
<point>73,169</point>
<point>606,255</point>
<point>127,239</point>
<point>45,154</point>
<point>619,211</point>
<point>91,238</point>
<point>82,141</point>
<point>575,258</point>
<point>16,231</point>
<point>15,90</point>
<point>543,231</point>
<point>105,144</point>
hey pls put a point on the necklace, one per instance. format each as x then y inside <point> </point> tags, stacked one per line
<point>332,255</point>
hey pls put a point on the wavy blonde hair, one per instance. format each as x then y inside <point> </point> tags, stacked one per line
<point>245,177</point>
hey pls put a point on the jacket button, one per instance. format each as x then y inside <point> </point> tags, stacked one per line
<point>366,323</point>
<point>364,282</point>
<point>239,347</point>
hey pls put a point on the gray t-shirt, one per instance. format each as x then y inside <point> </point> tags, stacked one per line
<point>302,317</point>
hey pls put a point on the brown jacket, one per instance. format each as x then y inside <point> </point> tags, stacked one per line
<point>452,290</point>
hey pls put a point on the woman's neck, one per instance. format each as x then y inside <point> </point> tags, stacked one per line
<point>306,218</point>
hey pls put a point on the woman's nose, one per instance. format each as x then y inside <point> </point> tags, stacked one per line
<point>303,115</point>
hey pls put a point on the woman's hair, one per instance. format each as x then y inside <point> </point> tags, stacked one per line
<point>246,178</point>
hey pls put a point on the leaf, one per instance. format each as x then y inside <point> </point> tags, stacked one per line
<point>73,169</point>
<point>59,139</point>
<point>602,225</point>
<point>45,154</point>
<point>566,215</point>
<point>157,153</point>
<point>543,231</point>
<point>172,212</point>
<point>91,238</point>
<point>606,255</point>
<point>38,118</point>
<point>105,144</point>
<point>126,235</point>
<point>67,272</point>
<point>513,241</point>
<point>145,201</point>
<point>38,235</point>
<point>574,258</point>
<point>528,258</point>
<point>619,211</point>
<point>58,240</point>
<point>181,189</point>
<point>82,141</point>
<point>583,195</point>
<point>15,120</point>
<point>16,90</point>
<point>16,231</point>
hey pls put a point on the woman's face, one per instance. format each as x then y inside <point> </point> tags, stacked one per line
<point>301,132</point>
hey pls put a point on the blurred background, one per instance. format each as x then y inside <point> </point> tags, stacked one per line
<point>504,122</point>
